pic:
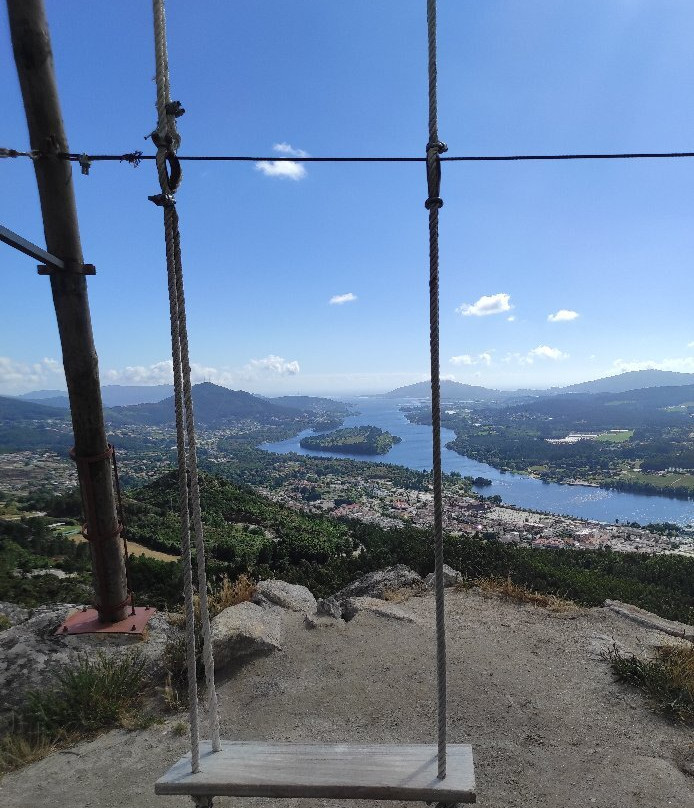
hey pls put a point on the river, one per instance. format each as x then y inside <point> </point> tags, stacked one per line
<point>585,502</point>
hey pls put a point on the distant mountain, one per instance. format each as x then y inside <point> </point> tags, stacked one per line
<point>121,395</point>
<point>113,395</point>
<point>623,382</point>
<point>60,402</point>
<point>38,395</point>
<point>632,380</point>
<point>13,409</point>
<point>214,407</point>
<point>450,391</point>
<point>311,404</point>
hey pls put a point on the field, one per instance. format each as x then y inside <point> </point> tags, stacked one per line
<point>134,549</point>
<point>616,437</point>
<point>660,479</point>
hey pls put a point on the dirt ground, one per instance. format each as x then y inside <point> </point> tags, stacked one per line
<point>550,728</point>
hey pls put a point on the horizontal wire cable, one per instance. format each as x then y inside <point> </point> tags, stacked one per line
<point>136,157</point>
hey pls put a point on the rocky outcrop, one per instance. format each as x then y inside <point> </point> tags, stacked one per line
<point>650,620</point>
<point>31,653</point>
<point>294,597</point>
<point>12,613</point>
<point>376,584</point>
<point>451,577</point>
<point>244,630</point>
<point>352,607</point>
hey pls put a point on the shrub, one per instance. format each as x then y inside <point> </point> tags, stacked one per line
<point>94,695</point>
<point>667,679</point>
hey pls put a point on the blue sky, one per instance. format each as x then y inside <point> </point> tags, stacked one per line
<point>551,273</point>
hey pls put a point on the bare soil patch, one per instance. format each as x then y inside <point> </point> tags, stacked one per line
<point>528,688</point>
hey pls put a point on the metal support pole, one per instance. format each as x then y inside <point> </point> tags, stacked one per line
<point>34,60</point>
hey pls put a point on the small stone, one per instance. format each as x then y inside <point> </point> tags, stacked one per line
<point>329,607</point>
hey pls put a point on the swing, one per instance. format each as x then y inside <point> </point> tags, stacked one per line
<point>413,772</point>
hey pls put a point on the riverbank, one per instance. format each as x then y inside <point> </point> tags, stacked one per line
<point>523,491</point>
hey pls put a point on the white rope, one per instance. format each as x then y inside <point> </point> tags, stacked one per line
<point>433,204</point>
<point>167,141</point>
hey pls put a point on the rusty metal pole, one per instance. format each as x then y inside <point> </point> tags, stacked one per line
<point>34,59</point>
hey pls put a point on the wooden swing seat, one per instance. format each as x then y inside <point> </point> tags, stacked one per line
<point>325,771</point>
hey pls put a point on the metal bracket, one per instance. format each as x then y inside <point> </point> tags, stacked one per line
<point>51,263</point>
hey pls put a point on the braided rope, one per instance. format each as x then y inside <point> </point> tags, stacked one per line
<point>194,494</point>
<point>183,496</point>
<point>167,140</point>
<point>433,203</point>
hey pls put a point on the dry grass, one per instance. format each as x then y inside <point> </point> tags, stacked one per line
<point>230,594</point>
<point>21,749</point>
<point>667,679</point>
<point>507,589</point>
<point>402,594</point>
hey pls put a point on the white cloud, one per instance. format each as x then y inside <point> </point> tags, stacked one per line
<point>541,352</point>
<point>466,359</point>
<point>340,299</point>
<point>562,316</point>
<point>289,150</point>
<point>284,169</point>
<point>275,365</point>
<point>511,318</point>
<point>690,345</point>
<point>162,372</point>
<point>545,352</point>
<point>19,377</point>
<point>487,304</point>
<point>683,364</point>
<point>156,373</point>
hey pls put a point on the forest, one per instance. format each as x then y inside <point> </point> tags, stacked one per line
<point>247,533</point>
<point>656,435</point>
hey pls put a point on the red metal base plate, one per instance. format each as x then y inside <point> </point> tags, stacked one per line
<point>87,622</point>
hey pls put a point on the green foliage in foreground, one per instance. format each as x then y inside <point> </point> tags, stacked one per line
<point>91,696</point>
<point>247,533</point>
<point>667,679</point>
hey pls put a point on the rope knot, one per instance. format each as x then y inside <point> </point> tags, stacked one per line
<point>166,140</point>
<point>175,109</point>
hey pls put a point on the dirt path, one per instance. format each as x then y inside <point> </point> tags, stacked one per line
<point>549,726</point>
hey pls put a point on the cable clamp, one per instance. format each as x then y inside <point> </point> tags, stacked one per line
<point>434,150</point>
<point>163,200</point>
<point>85,163</point>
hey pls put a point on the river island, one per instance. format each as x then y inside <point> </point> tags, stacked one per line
<point>366,440</point>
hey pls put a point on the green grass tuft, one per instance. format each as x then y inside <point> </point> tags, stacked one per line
<point>94,695</point>
<point>667,679</point>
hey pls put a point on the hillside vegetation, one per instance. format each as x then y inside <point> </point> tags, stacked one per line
<point>247,533</point>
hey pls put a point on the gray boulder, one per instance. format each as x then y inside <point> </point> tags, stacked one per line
<point>244,630</point>
<point>376,584</point>
<point>451,577</point>
<point>13,613</point>
<point>353,606</point>
<point>294,597</point>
